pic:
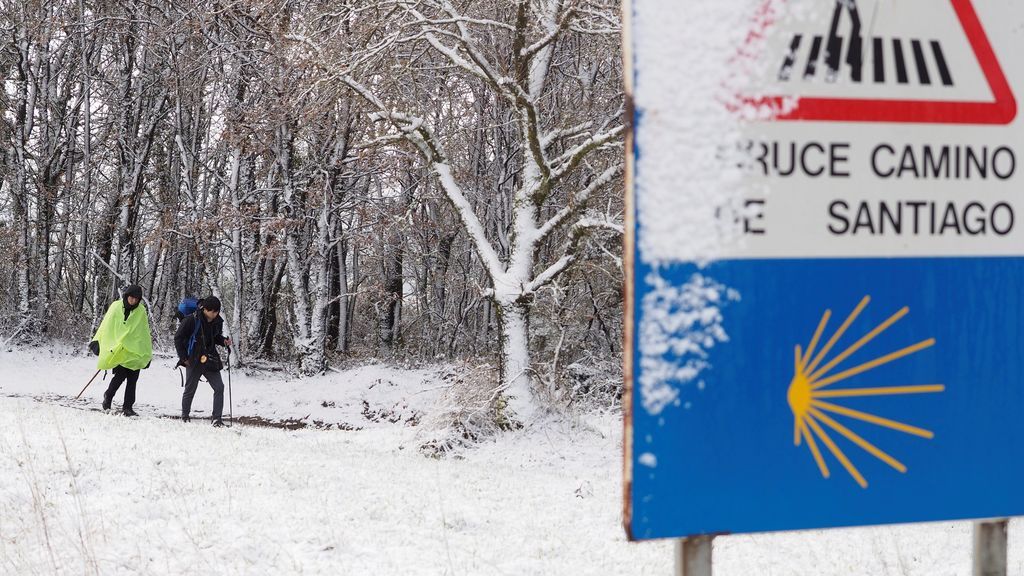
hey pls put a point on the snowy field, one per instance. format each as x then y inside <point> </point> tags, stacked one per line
<point>83,492</point>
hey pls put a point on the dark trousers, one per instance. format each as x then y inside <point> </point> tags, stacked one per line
<point>120,375</point>
<point>192,375</point>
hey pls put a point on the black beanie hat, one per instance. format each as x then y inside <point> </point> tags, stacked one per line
<point>133,290</point>
<point>211,303</point>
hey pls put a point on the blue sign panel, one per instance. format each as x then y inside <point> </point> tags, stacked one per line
<point>826,302</point>
<point>849,392</point>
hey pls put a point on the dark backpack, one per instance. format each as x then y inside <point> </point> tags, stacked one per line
<point>187,307</point>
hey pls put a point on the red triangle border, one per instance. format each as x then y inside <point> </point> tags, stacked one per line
<point>1000,112</point>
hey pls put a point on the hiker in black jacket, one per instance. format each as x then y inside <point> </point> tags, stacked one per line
<point>196,341</point>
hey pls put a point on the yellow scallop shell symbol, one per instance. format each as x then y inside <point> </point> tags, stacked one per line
<point>807,399</point>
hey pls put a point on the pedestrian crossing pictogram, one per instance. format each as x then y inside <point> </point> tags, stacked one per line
<point>900,60</point>
<point>928,61</point>
<point>881,64</point>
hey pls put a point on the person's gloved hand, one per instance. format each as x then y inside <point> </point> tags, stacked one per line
<point>227,342</point>
<point>183,362</point>
<point>94,347</point>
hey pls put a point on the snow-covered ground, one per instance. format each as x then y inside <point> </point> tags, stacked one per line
<point>83,492</point>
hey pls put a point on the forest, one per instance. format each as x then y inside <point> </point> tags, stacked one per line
<point>369,180</point>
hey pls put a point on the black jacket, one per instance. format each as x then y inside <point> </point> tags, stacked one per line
<point>207,337</point>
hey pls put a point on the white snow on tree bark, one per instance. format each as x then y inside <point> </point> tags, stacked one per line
<point>238,266</point>
<point>321,291</point>
<point>472,225</point>
<point>515,354</point>
<point>541,61</point>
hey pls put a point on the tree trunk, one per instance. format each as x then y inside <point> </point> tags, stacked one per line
<point>350,316</point>
<point>316,359</point>
<point>309,351</point>
<point>238,265</point>
<point>516,374</point>
<point>83,230</point>
<point>390,319</point>
<point>20,204</point>
<point>342,343</point>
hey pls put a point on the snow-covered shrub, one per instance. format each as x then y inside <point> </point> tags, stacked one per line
<point>466,412</point>
<point>593,383</point>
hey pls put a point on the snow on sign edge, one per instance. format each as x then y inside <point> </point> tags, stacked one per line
<point>683,184</point>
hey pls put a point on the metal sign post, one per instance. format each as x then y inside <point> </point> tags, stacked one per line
<point>693,556</point>
<point>990,551</point>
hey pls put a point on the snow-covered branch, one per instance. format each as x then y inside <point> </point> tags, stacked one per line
<point>478,64</point>
<point>598,223</point>
<point>572,157</point>
<point>578,202</point>
<point>479,21</point>
<point>548,139</point>
<point>470,222</point>
<point>416,131</point>
<point>569,256</point>
<point>552,35</point>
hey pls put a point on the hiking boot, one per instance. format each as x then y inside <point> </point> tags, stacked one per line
<point>106,402</point>
<point>185,418</point>
<point>129,412</point>
<point>218,423</point>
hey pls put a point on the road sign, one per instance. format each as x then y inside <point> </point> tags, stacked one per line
<point>826,265</point>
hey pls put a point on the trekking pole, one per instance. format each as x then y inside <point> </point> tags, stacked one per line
<point>231,412</point>
<point>177,368</point>
<point>87,384</point>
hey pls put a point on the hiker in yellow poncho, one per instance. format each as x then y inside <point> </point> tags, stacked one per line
<point>123,343</point>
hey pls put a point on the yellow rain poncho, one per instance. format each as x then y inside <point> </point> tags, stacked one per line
<point>124,342</point>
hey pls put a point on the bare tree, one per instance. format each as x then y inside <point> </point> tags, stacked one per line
<point>515,55</point>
